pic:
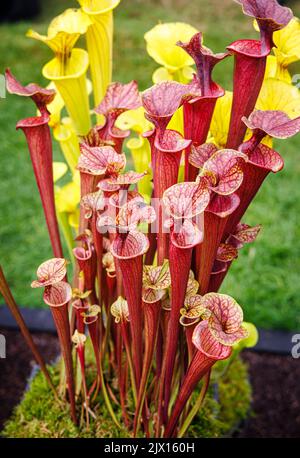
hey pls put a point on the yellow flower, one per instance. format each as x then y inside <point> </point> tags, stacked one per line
<point>134,120</point>
<point>73,219</point>
<point>59,170</point>
<point>68,68</point>
<point>287,41</point>
<point>219,127</point>
<point>55,107</point>
<point>279,95</point>
<point>141,156</point>
<point>286,50</point>
<point>161,46</point>
<point>63,131</point>
<point>66,136</point>
<point>99,38</point>
<point>275,70</point>
<point>184,75</point>
<point>63,31</point>
<point>67,198</point>
<point>251,340</point>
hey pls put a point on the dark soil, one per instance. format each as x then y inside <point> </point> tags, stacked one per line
<point>276,396</point>
<point>275,381</point>
<point>17,367</point>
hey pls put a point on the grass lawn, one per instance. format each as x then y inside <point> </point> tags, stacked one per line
<point>265,279</point>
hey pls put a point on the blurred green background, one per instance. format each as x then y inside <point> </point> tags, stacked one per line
<point>265,278</point>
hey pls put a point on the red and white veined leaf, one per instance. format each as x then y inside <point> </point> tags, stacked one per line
<point>41,97</point>
<point>162,100</point>
<point>121,197</point>
<point>187,235</point>
<point>225,321</point>
<point>57,294</point>
<point>268,13</point>
<point>244,234</point>
<point>134,213</point>
<point>130,245</point>
<point>226,253</point>
<point>49,272</point>
<point>82,254</point>
<point>107,187</point>
<point>200,154</point>
<point>171,142</point>
<point>157,277</point>
<point>103,160</point>
<point>93,203</point>
<point>186,200</point>
<point>151,296</point>
<point>276,124</point>
<point>266,158</point>
<point>119,98</point>
<point>105,223</point>
<point>205,342</point>
<point>224,171</point>
<point>119,310</point>
<point>192,311</point>
<point>127,178</point>
<point>223,206</point>
<point>85,252</point>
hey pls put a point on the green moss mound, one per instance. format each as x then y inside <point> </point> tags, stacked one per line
<point>39,416</point>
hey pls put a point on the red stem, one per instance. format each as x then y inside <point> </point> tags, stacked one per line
<point>180,262</point>
<point>249,71</point>
<point>132,271</point>
<point>199,366</point>
<point>151,314</point>
<point>191,347</point>
<point>38,138</point>
<point>197,119</point>
<point>217,280</point>
<point>165,167</point>
<point>206,252</point>
<point>87,184</point>
<point>98,242</point>
<point>61,319</point>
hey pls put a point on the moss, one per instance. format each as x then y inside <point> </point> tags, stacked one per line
<point>38,415</point>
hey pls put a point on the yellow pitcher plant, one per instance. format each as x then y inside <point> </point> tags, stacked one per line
<point>99,40</point>
<point>69,66</point>
<point>175,64</point>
